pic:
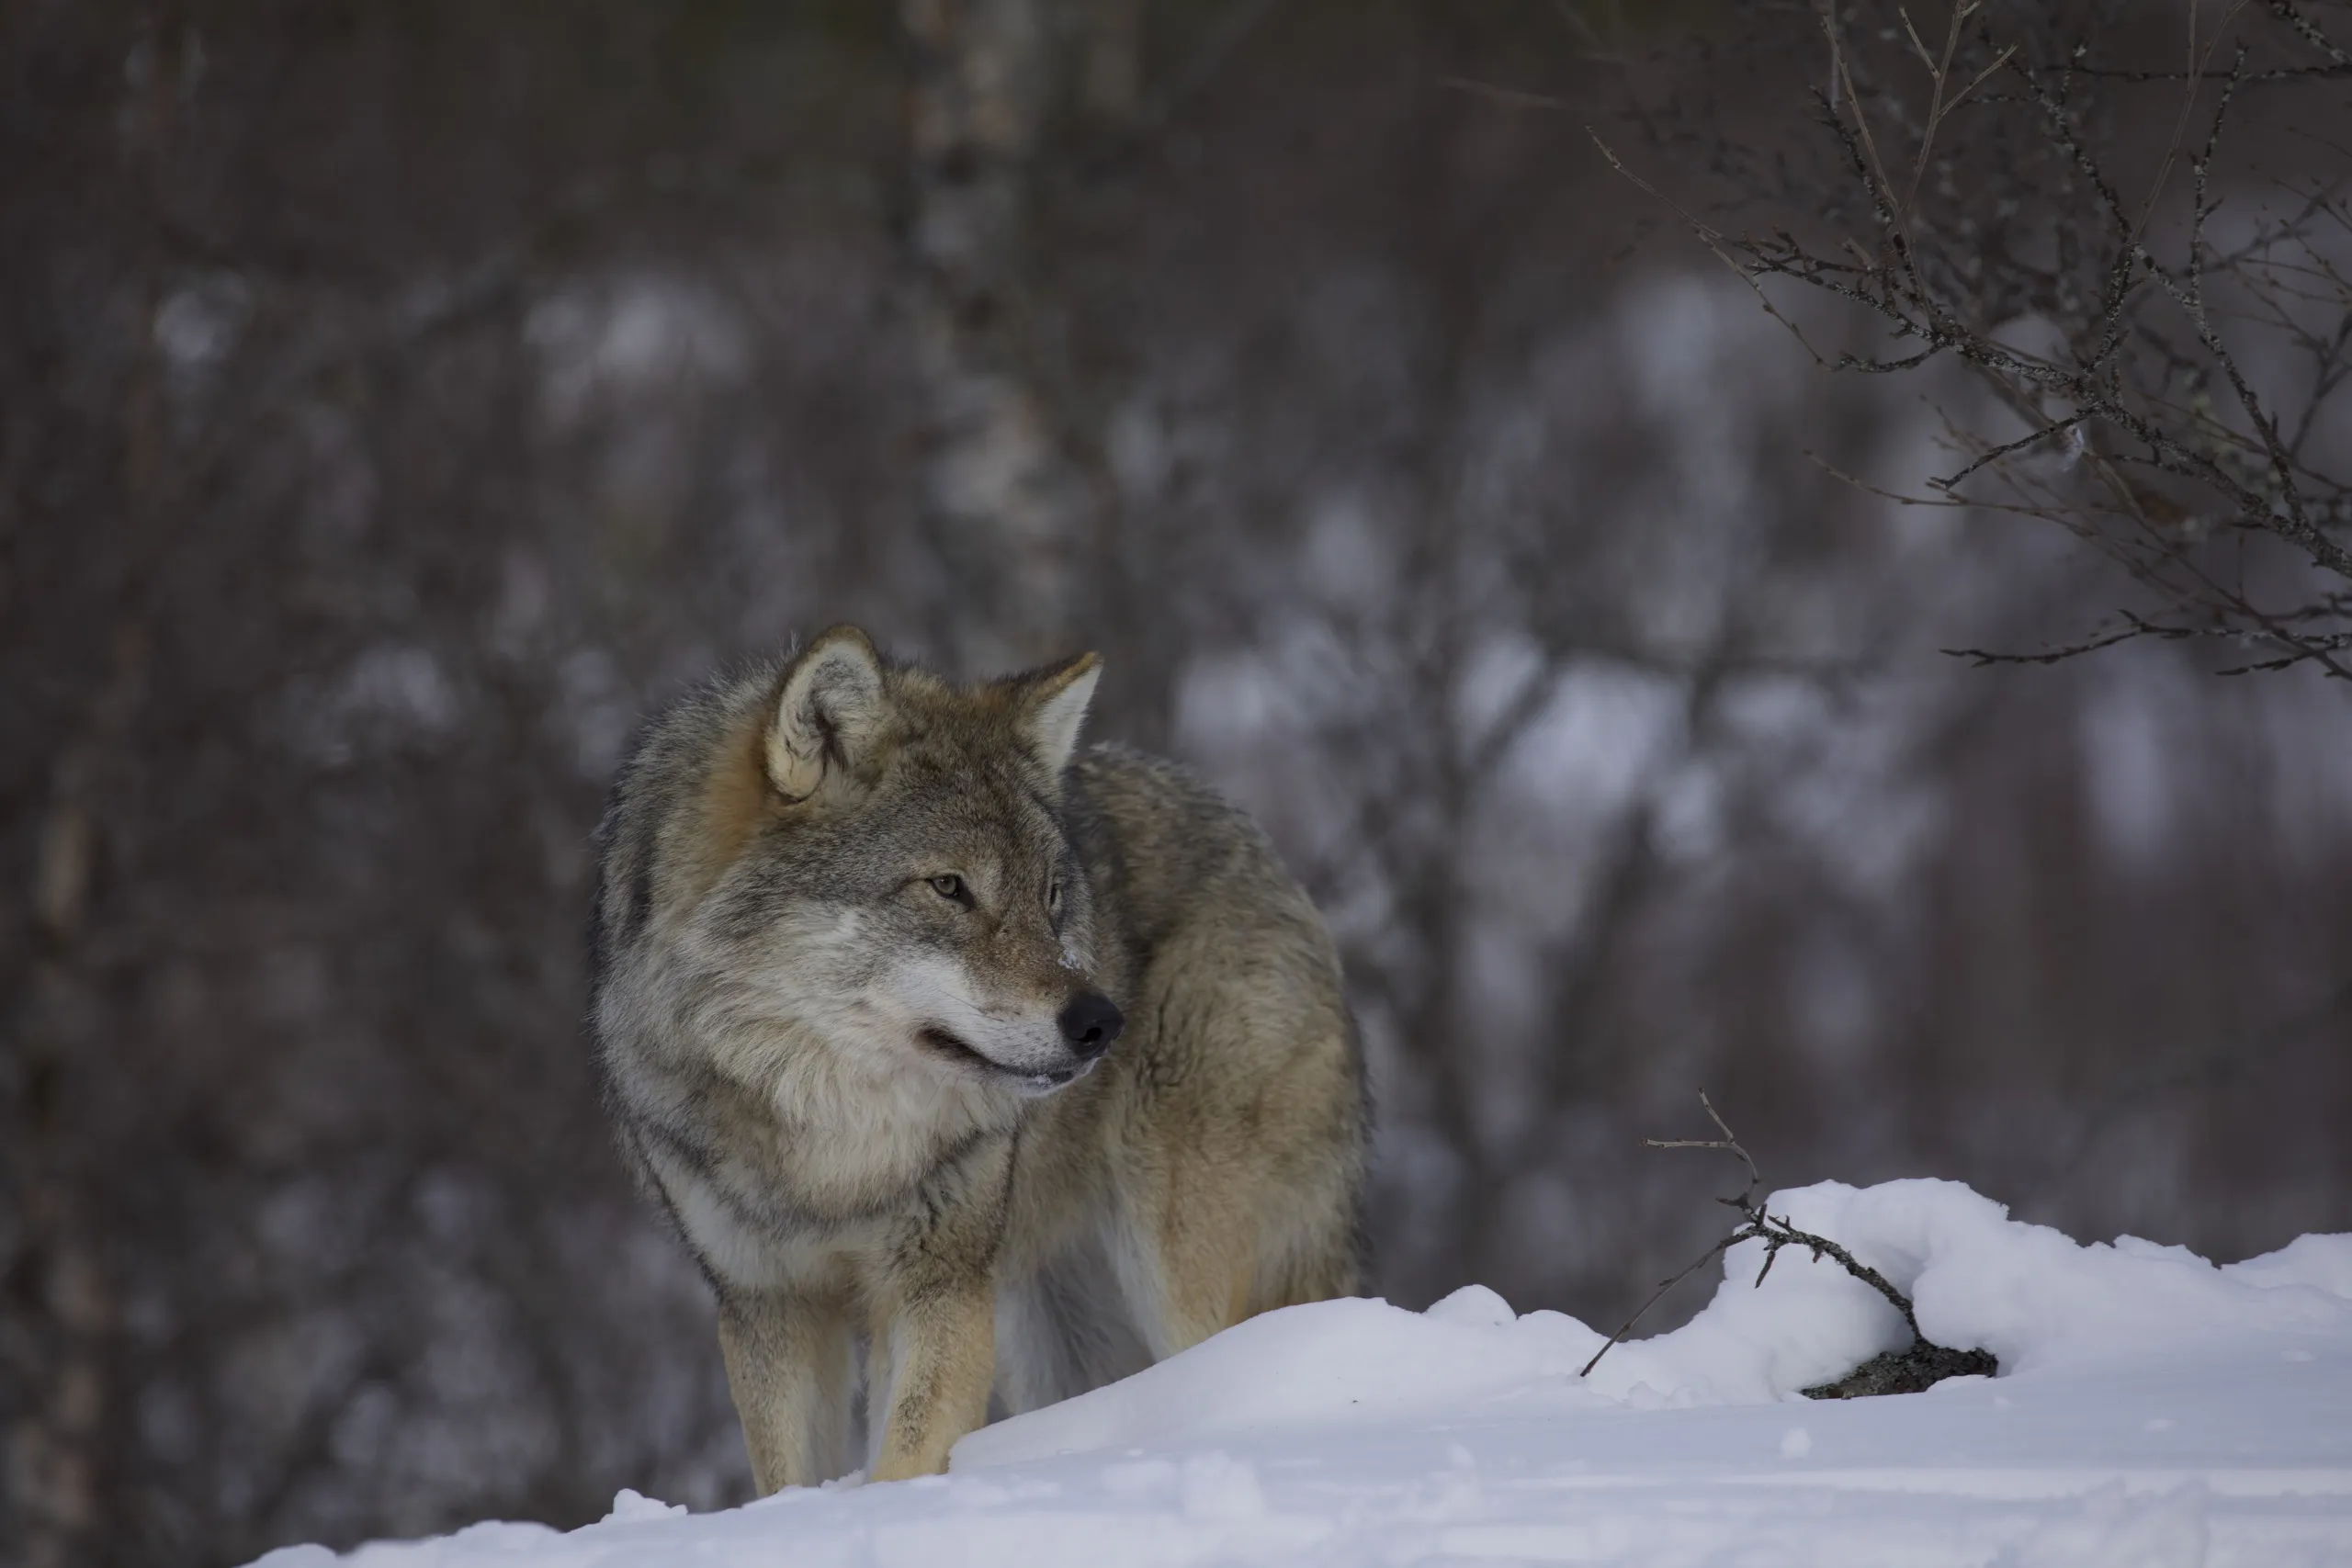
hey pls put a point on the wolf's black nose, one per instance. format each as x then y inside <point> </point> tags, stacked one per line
<point>1090,1022</point>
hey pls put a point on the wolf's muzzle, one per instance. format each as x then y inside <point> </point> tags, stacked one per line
<point>1089,1023</point>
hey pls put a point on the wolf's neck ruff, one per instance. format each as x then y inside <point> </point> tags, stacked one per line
<point>1024,1064</point>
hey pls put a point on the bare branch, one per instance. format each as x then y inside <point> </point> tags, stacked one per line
<point>2146,432</point>
<point>1757,1224</point>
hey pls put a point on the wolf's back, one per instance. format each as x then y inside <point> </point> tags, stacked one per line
<point>1166,850</point>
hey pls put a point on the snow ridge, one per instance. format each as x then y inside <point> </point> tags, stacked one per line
<point>2153,1409</point>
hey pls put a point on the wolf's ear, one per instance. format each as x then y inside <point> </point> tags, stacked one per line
<point>828,712</point>
<point>1055,707</point>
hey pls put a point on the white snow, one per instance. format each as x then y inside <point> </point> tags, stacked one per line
<point>2153,1409</point>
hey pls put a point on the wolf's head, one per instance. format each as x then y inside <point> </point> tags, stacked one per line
<point>906,888</point>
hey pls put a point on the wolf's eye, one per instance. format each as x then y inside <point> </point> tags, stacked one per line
<point>948,886</point>
<point>1053,898</point>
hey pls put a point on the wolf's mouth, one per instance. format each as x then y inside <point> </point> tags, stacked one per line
<point>937,1038</point>
<point>944,1043</point>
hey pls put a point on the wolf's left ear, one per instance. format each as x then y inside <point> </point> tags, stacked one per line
<point>1054,708</point>
<point>827,712</point>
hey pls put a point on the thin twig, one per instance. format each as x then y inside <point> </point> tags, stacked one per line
<point>1728,1143</point>
<point>1655,1296</point>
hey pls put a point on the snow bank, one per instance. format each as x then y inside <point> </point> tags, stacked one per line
<point>1977,1278</point>
<point>2039,1302</point>
<point>2153,1409</point>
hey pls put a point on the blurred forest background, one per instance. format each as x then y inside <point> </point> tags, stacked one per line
<point>398,398</point>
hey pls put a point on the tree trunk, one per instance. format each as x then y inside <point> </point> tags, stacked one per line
<point>1001,501</point>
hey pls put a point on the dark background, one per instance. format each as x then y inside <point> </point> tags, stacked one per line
<point>398,398</point>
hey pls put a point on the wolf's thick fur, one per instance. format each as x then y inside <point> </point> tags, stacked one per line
<point>855,935</point>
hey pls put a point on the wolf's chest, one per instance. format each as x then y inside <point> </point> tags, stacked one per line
<point>783,1186</point>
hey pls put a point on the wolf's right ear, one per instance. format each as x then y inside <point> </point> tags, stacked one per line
<point>1054,706</point>
<point>826,713</point>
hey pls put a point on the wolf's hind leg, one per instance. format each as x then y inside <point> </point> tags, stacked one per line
<point>1207,1236</point>
<point>789,1369</point>
<point>1187,1258</point>
<point>1191,1266</point>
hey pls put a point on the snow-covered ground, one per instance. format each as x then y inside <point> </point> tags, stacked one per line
<point>2152,1411</point>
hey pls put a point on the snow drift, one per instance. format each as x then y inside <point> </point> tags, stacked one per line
<point>2152,1408</point>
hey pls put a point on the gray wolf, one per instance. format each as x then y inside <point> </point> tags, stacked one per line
<point>1025,1065</point>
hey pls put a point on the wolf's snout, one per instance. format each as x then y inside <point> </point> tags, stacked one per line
<point>1090,1022</point>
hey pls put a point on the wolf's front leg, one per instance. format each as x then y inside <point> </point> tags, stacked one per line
<point>931,1291</point>
<point>788,1366</point>
<point>934,1365</point>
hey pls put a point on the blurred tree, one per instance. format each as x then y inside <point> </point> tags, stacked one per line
<point>1003,505</point>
